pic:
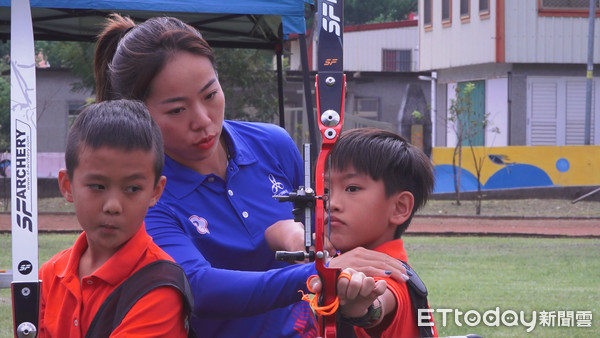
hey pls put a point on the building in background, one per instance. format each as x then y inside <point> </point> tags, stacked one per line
<point>528,59</point>
<point>57,107</point>
<point>528,62</point>
<point>383,86</point>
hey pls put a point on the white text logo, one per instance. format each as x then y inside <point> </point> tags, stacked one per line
<point>331,22</point>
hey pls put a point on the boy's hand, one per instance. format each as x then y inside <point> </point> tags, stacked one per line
<point>356,291</point>
<point>371,263</point>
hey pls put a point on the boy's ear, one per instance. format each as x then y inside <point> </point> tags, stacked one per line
<point>404,202</point>
<point>64,184</point>
<point>158,190</point>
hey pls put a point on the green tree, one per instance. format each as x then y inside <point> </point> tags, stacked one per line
<point>358,12</point>
<point>4,113</point>
<point>466,125</point>
<point>246,75</point>
<point>76,56</point>
<point>4,97</point>
<point>249,83</point>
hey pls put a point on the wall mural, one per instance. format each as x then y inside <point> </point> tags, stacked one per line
<point>519,167</point>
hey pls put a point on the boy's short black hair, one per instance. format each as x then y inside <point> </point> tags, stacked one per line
<point>119,124</point>
<point>385,155</point>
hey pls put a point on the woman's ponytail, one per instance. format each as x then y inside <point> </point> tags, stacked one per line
<point>115,29</point>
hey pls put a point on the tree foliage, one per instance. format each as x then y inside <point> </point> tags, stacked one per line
<point>249,83</point>
<point>246,75</point>
<point>4,113</point>
<point>4,97</point>
<point>77,56</point>
<point>358,12</point>
<point>466,125</point>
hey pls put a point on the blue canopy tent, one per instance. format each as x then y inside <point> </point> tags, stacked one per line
<point>231,23</point>
<point>255,24</point>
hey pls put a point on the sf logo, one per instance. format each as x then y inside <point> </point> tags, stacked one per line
<point>25,267</point>
<point>330,62</point>
<point>331,22</point>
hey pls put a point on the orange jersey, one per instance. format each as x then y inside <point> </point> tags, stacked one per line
<point>68,306</point>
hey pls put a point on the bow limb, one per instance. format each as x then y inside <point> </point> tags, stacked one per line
<point>25,286</point>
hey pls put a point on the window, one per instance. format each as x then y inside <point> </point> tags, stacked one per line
<point>397,60</point>
<point>484,9</point>
<point>567,4</point>
<point>577,8</point>
<point>484,6</point>
<point>465,8</point>
<point>427,13</point>
<point>366,114</point>
<point>557,111</point>
<point>368,107</point>
<point>446,13</point>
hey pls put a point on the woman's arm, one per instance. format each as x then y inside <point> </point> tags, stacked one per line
<point>220,292</point>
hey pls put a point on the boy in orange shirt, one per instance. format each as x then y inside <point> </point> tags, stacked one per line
<point>114,160</point>
<point>377,182</point>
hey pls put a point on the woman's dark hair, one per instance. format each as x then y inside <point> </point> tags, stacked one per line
<point>129,56</point>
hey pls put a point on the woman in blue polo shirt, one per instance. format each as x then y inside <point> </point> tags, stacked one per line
<point>221,176</point>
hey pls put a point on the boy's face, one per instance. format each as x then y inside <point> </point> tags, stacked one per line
<point>361,214</point>
<point>112,190</point>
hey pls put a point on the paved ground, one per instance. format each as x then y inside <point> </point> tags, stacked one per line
<point>525,226</point>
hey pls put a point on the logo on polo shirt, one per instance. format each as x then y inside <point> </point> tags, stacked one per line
<point>200,223</point>
<point>277,187</point>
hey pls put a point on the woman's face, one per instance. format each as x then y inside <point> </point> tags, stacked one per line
<point>188,104</point>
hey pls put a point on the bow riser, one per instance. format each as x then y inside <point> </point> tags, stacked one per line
<point>330,133</point>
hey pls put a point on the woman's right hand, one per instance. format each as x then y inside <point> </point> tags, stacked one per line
<point>371,263</point>
<point>287,235</point>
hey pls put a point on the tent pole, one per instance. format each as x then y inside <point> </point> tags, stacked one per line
<point>308,95</point>
<point>279,53</point>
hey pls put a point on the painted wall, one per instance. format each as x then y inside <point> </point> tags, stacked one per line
<point>519,167</point>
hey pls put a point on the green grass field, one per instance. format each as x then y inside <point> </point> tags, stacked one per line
<point>473,275</point>
<point>512,274</point>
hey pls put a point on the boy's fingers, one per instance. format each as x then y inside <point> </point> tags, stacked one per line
<point>367,286</point>
<point>380,287</point>
<point>315,284</point>
<point>355,285</point>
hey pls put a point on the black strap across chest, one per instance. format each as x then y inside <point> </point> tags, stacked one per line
<point>116,306</point>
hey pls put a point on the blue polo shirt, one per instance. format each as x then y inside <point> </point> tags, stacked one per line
<point>215,230</point>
